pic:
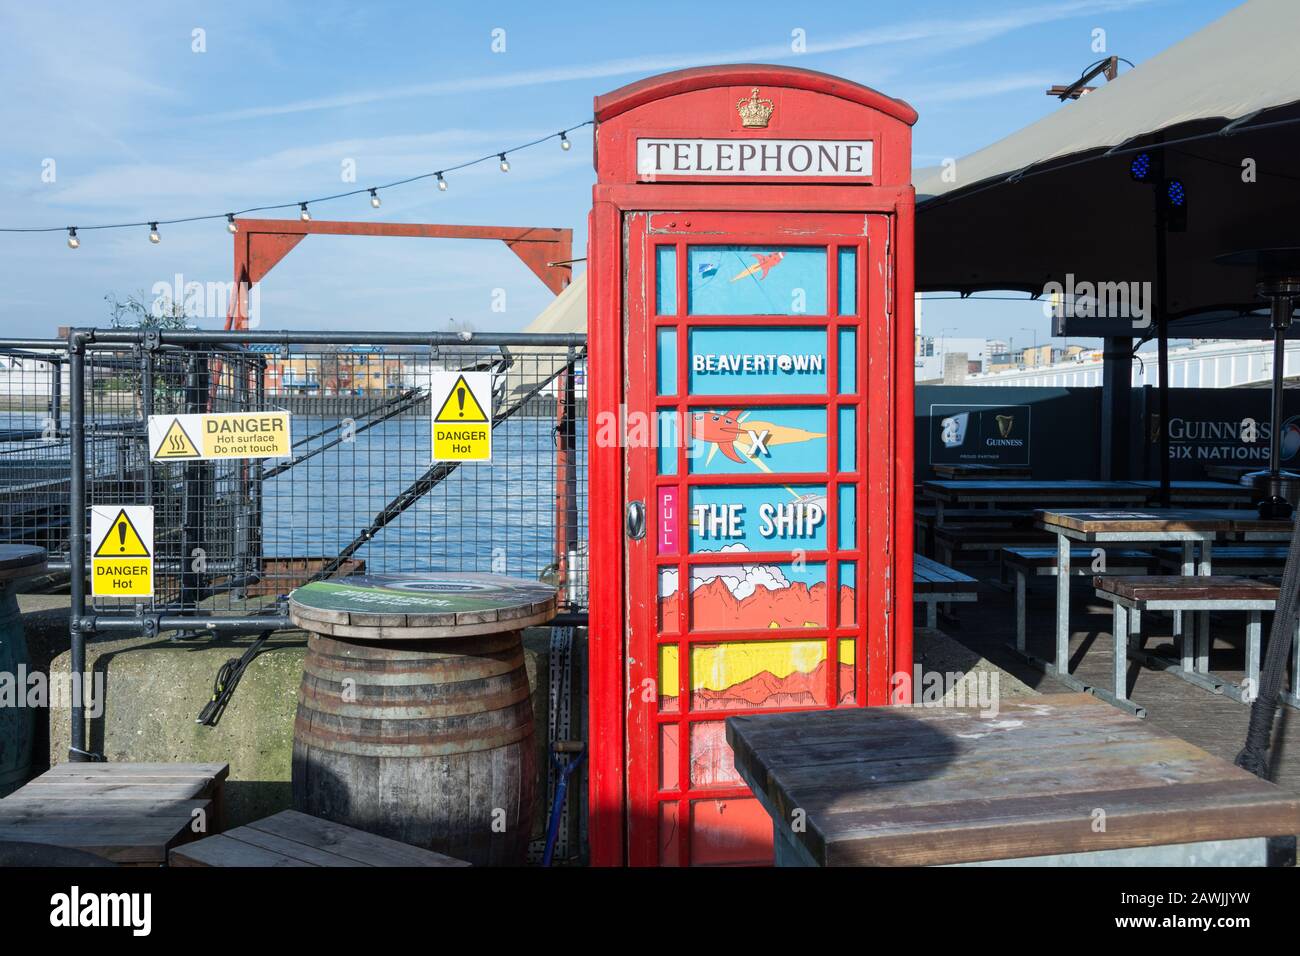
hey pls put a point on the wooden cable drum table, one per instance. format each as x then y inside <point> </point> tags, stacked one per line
<point>414,718</point>
<point>17,561</point>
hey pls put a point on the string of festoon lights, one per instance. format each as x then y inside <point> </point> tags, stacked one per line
<point>303,206</point>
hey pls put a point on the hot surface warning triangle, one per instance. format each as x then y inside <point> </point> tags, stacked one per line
<point>122,540</point>
<point>177,443</point>
<point>461,405</point>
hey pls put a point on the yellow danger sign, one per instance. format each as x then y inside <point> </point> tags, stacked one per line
<point>177,443</point>
<point>226,435</point>
<point>462,420</point>
<point>121,561</point>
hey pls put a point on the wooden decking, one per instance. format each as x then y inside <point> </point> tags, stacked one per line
<point>1215,723</point>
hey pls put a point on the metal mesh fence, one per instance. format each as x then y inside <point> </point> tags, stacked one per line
<point>34,452</point>
<point>359,492</point>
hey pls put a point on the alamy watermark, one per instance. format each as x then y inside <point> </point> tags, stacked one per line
<point>933,689</point>
<point>34,688</point>
<point>1130,301</point>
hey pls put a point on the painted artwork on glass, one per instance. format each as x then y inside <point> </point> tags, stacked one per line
<point>761,518</point>
<point>747,441</point>
<point>754,675</point>
<point>757,361</point>
<point>754,595</point>
<point>756,280</point>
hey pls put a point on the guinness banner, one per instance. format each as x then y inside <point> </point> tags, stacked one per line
<point>1057,431</point>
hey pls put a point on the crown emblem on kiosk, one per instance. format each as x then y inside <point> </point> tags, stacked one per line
<point>754,112</point>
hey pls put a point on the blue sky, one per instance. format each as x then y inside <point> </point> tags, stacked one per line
<point>139,126</point>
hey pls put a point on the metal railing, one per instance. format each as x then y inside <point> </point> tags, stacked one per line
<point>358,493</point>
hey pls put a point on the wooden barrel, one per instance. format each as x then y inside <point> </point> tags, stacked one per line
<point>414,718</point>
<point>17,561</point>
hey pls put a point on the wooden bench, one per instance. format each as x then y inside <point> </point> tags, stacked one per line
<point>1245,560</point>
<point>954,539</point>
<point>130,813</point>
<point>934,584</point>
<point>296,839</point>
<point>1195,593</point>
<point>1026,563</point>
<point>927,519</point>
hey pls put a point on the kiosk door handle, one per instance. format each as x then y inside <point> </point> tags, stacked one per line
<point>635,520</point>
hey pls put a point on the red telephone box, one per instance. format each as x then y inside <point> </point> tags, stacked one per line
<point>750,436</point>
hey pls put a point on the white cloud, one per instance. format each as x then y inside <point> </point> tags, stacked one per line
<point>946,33</point>
<point>741,580</point>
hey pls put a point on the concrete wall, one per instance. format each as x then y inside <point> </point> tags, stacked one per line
<point>153,690</point>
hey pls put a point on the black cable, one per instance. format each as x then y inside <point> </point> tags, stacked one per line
<point>228,676</point>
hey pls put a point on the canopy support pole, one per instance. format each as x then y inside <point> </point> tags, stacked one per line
<point>1162,317</point>
<point>1116,408</point>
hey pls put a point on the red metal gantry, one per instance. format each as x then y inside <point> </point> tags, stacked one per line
<point>261,243</point>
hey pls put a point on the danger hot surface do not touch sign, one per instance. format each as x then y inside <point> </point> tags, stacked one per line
<point>217,436</point>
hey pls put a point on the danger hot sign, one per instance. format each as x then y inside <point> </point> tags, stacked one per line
<point>121,557</point>
<point>462,416</point>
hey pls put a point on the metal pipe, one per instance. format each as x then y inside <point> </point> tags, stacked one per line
<point>190,622</point>
<point>56,398</point>
<point>107,337</point>
<point>1281,314</point>
<point>57,345</point>
<point>248,622</point>
<point>77,539</point>
<point>1162,315</point>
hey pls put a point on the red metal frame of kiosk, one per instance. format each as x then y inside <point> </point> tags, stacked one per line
<point>750,386</point>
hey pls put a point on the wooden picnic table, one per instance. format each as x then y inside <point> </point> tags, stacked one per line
<point>1230,473</point>
<point>1193,528</point>
<point>130,813</point>
<point>1193,492</point>
<point>296,839</point>
<point>906,786</point>
<point>974,470</point>
<point>1023,492</point>
<point>1070,492</point>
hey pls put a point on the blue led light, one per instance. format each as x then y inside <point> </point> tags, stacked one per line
<point>1140,168</point>
<point>1174,190</point>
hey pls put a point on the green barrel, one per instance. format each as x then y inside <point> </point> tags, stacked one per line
<point>17,719</point>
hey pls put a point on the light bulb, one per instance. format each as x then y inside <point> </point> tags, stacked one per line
<point>442,183</point>
<point>305,216</point>
<point>505,163</point>
<point>374,199</point>
<point>73,241</point>
<point>153,233</point>
<point>564,143</point>
<point>231,226</point>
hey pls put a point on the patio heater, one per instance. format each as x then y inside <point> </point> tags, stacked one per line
<point>1278,281</point>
